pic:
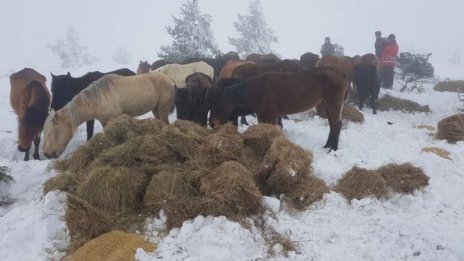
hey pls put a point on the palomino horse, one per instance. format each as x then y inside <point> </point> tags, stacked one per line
<point>65,87</point>
<point>178,72</point>
<point>106,99</point>
<point>271,95</point>
<point>30,100</point>
<point>143,67</point>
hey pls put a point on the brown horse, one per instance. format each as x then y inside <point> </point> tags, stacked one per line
<point>229,68</point>
<point>248,70</point>
<point>368,58</point>
<point>271,95</point>
<point>143,67</point>
<point>30,100</point>
<point>262,58</point>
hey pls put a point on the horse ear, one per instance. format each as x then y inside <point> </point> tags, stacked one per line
<point>53,76</point>
<point>69,74</point>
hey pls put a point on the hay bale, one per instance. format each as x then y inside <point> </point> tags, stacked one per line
<point>306,192</point>
<point>284,165</point>
<point>191,129</point>
<point>220,147</point>
<point>176,192</point>
<point>438,151</point>
<point>228,129</point>
<point>449,86</point>
<point>359,183</point>
<point>388,102</point>
<point>115,245</point>
<point>404,178</point>
<point>63,182</point>
<point>348,113</point>
<point>451,128</point>
<point>113,189</point>
<point>232,191</point>
<point>259,137</point>
<point>84,222</point>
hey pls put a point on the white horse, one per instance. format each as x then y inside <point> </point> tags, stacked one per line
<point>106,99</point>
<point>178,72</point>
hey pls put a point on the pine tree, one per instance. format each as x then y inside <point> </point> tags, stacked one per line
<point>256,36</point>
<point>192,35</point>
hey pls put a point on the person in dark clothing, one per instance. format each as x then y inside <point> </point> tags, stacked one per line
<point>327,48</point>
<point>388,61</point>
<point>379,44</point>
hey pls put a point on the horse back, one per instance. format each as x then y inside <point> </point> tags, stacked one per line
<point>228,69</point>
<point>19,82</point>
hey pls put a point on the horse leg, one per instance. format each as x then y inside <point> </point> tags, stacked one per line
<point>267,118</point>
<point>279,121</point>
<point>361,102</point>
<point>26,154</point>
<point>243,120</point>
<point>90,125</point>
<point>374,108</point>
<point>36,148</point>
<point>329,118</point>
<point>334,117</point>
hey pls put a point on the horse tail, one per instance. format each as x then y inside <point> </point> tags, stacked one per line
<point>173,105</point>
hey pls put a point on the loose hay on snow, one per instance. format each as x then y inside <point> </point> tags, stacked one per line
<point>309,190</point>
<point>388,102</point>
<point>348,113</point>
<point>359,183</point>
<point>451,128</point>
<point>404,178</point>
<point>449,86</point>
<point>425,127</point>
<point>220,147</point>
<point>115,245</point>
<point>440,152</point>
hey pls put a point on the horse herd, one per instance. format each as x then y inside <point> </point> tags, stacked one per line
<point>223,88</point>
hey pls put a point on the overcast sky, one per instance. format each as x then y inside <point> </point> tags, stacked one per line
<point>27,26</point>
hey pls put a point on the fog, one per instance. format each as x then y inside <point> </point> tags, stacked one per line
<point>27,26</point>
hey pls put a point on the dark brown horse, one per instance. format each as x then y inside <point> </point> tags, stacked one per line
<point>249,70</point>
<point>192,102</point>
<point>308,61</point>
<point>271,95</point>
<point>262,58</point>
<point>30,100</point>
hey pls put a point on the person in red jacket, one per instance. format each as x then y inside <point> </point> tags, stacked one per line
<point>388,61</point>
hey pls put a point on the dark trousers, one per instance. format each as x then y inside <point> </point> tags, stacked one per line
<point>387,77</point>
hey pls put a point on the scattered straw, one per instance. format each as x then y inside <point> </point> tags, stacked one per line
<point>404,178</point>
<point>449,86</point>
<point>425,127</point>
<point>348,113</point>
<point>388,102</point>
<point>359,183</point>
<point>440,152</point>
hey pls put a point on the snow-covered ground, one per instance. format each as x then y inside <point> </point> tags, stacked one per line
<point>427,225</point>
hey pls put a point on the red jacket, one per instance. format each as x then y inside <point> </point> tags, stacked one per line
<point>389,54</point>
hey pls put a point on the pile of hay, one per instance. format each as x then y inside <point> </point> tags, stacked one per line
<point>425,127</point>
<point>449,86</point>
<point>136,168</point>
<point>388,102</point>
<point>348,113</point>
<point>359,183</point>
<point>451,128</point>
<point>115,245</point>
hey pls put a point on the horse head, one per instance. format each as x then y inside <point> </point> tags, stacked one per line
<point>144,67</point>
<point>63,90</point>
<point>58,132</point>
<point>221,107</point>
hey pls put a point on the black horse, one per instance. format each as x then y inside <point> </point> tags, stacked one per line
<point>65,87</point>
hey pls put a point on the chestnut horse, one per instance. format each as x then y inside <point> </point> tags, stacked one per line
<point>344,64</point>
<point>368,58</point>
<point>106,99</point>
<point>248,70</point>
<point>229,68</point>
<point>271,95</point>
<point>262,58</point>
<point>30,100</point>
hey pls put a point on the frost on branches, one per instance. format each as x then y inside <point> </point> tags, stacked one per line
<point>256,36</point>
<point>70,52</point>
<point>192,35</point>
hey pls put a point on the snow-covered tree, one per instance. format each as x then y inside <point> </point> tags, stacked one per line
<point>122,55</point>
<point>339,50</point>
<point>256,36</point>
<point>192,35</point>
<point>70,51</point>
